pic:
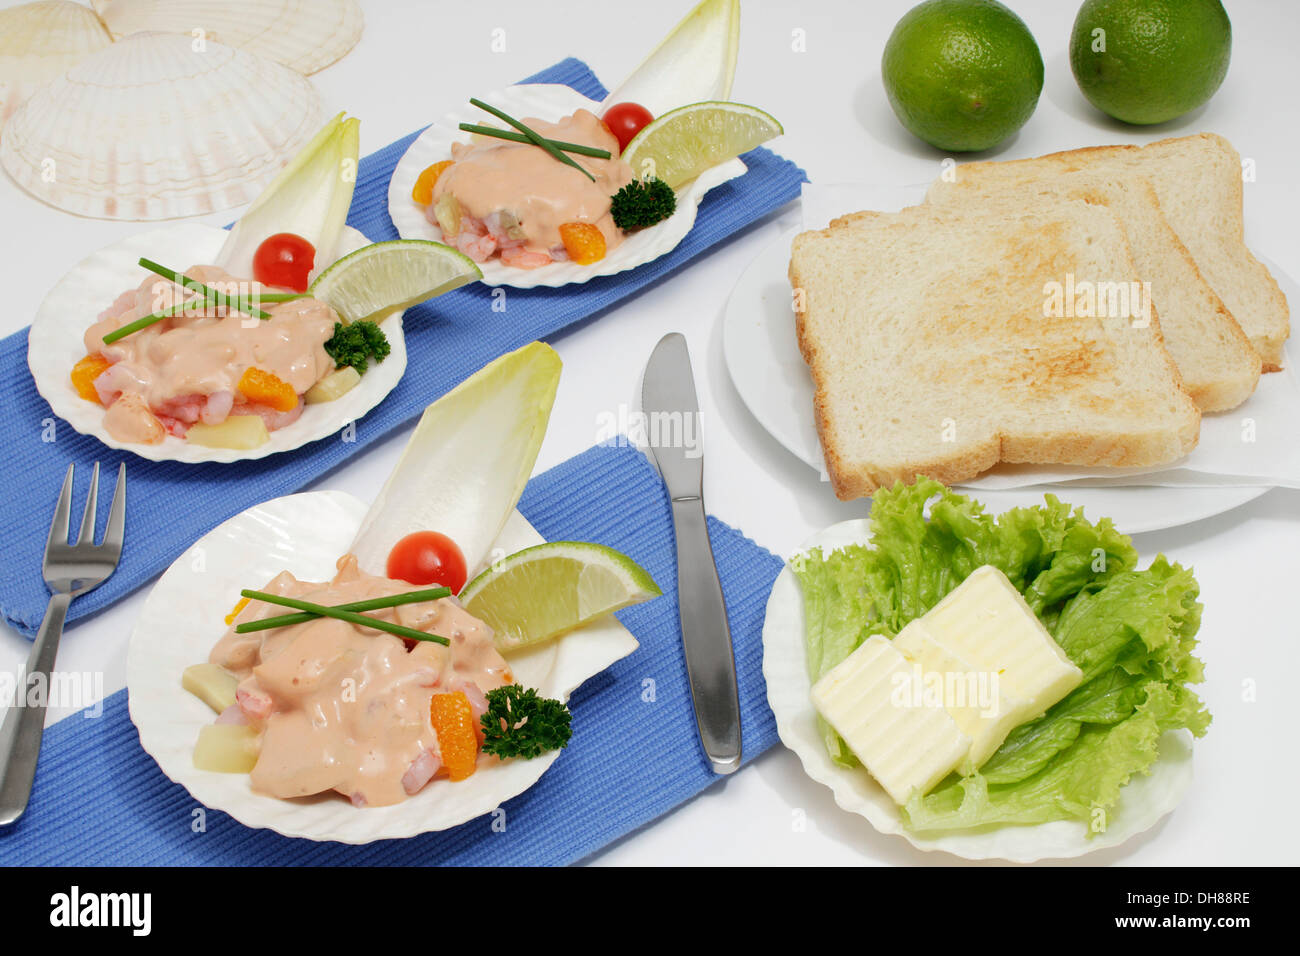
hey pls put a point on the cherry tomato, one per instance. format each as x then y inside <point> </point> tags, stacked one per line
<point>427,557</point>
<point>625,120</point>
<point>284,260</point>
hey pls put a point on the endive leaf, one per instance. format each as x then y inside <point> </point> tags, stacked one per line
<point>468,460</point>
<point>310,197</point>
<point>695,62</point>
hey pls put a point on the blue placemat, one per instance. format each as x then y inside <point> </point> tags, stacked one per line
<point>101,800</point>
<point>171,505</point>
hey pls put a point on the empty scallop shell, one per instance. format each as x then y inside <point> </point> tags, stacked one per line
<point>305,35</point>
<point>159,126</point>
<point>39,42</point>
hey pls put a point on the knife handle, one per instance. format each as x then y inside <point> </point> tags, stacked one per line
<point>706,637</point>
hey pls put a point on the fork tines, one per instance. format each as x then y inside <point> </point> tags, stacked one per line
<point>113,532</point>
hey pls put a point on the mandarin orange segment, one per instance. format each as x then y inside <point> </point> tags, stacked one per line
<point>453,722</point>
<point>84,374</point>
<point>583,242</point>
<point>266,388</point>
<point>424,183</point>
<point>234,611</point>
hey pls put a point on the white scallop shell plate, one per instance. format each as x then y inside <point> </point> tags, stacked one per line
<point>305,534</point>
<point>550,102</point>
<point>55,344</point>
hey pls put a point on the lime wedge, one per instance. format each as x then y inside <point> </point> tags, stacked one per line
<point>541,592</point>
<point>680,145</point>
<point>386,277</point>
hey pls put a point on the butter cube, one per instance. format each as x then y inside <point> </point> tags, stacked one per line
<point>976,700</point>
<point>946,692</point>
<point>986,622</point>
<point>875,700</point>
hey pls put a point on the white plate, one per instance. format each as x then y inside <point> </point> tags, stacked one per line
<point>305,534</point>
<point>1143,801</point>
<point>54,344</point>
<point>762,356</point>
<point>550,102</point>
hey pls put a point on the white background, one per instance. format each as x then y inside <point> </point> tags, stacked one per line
<point>419,58</point>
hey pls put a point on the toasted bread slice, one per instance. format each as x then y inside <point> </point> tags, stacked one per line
<point>933,352</point>
<point>1219,366</point>
<point>1198,182</point>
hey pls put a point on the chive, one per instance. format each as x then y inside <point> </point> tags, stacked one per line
<point>149,320</point>
<point>532,136</point>
<point>521,138</point>
<point>274,297</point>
<point>209,298</point>
<point>374,604</point>
<point>209,294</point>
<point>349,616</point>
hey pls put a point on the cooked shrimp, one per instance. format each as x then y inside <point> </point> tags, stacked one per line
<point>522,258</point>
<point>174,426</point>
<point>479,248</point>
<point>256,704</point>
<point>421,771</point>
<point>478,702</point>
<point>217,408</point>
<point>115,380</point>
<point>274,419</point>
<point>494,225</point>
<point>183,408</point>
<point>130,419</point>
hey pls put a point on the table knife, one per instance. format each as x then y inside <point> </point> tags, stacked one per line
<point>672,414</point>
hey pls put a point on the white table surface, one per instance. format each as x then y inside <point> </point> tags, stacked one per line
<point>419,58</point>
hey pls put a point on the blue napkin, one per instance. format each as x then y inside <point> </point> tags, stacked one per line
<point>170,505</point>
<point>101,800</point>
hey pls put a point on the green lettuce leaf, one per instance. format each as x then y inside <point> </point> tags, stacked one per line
<point>838,616</point>
<point>1132,632</point>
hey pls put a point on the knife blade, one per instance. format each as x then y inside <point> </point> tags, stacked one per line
<point>672,409</point>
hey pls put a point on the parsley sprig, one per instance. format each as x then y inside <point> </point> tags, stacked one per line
<point>641,203</point>
<point>356,343</point>
<point>518,723</point>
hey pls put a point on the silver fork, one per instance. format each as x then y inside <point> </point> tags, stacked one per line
<point>70,570</point>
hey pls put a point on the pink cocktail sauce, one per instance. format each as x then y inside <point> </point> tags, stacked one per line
<point>493,175</point>
<point>186,368</point>
<point>346,708</point>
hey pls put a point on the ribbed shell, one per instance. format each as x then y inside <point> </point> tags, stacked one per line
<point>39,42</point>
<point>305,35</point>
<point>159,126</point>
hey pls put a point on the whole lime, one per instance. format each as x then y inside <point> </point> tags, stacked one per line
<point>963,75</point>
<point>1148,61</point>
